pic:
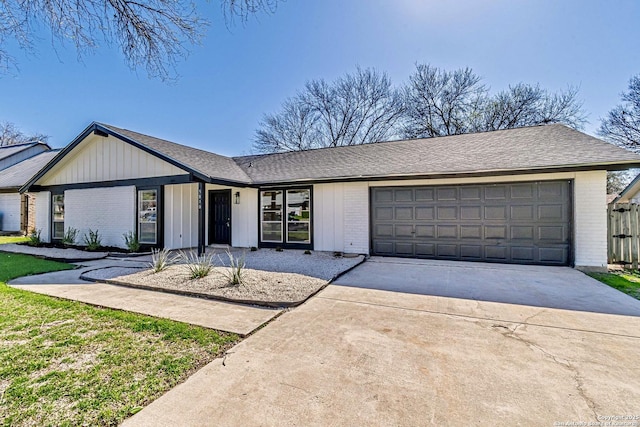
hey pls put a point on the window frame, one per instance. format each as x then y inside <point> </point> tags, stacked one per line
<point>53,216</point>
<point>159,240</point>
<point>284,222</point>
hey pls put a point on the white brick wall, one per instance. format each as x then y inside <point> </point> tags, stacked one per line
<point>43,218</point>
<point>110,210</point>
<point>356,218</point>
<point>10,212</point>
<point>590,219</point>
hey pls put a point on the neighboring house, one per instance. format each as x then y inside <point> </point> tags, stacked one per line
<point>630,194</point>
<point>532,195</point>
<point>14,208</point>
<point>12,154</point>
<point>17,211</point>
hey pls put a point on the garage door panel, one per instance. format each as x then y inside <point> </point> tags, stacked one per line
<point>404,248</point>
<point>404,213</point>
<point>425,231</point>
<point>447,213</point>
<point>425,249</point>
<point>447,250</point>
<point>403,196</point>
<point>403,230</point>
<point>383,213</point>
<point>425,213</point>
<point>471,251</point>
<point>470,212</point>
<point>471,232</point>
<point>511,222</point>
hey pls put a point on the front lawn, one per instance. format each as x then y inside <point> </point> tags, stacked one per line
<point>68,363</point>
<point>12,239</point>
<point>624,281</point>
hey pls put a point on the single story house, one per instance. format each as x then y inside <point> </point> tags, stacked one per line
<point>18,163</point>
<point>630,194</point>
<point>532,195</point>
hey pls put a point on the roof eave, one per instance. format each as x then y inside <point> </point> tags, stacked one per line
<point>458,174</point>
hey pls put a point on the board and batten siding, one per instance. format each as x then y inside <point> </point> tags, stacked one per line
<point>110,210</point>
<point>181,216</point>
<point>43,214</point>
<point>10,211</point>
<point>244,216</point>
<point>99,159</point>
<point>342,212</point>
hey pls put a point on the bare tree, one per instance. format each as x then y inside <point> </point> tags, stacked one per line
<point>11,135</point>
<point>622,124</point>
<point>355,109</point>
<point>153,34</point>
<point>443,102</point>
<point>440,102</point>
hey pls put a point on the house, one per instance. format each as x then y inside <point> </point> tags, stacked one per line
<point>18,163</point>
<point>532,195</point>
<point>630,194</point>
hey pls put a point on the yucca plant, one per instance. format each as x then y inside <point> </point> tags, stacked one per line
<point>161,259</point>
<point>131,240</point>
<point>34,237</point>
<point>199,265</point>
<point>235,273</point>
<point>69,237</point>
<point>93,241</point>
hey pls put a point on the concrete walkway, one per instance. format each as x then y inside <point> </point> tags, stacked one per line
<point>239,319</point>
<point>354,356</point>
<point>531,285</point>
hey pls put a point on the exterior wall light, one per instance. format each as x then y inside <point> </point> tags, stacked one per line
<point>237,198</point>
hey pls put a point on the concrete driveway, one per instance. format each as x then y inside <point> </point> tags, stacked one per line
<point>355,356</point>
<point>540,286</point>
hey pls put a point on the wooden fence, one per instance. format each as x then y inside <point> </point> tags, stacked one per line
<point>623,234</point>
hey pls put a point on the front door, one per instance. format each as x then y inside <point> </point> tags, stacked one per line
<point>220,216</point>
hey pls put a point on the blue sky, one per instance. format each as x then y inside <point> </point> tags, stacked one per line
<point>238,74</point>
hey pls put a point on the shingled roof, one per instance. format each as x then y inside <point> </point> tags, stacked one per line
<point>536,148</point>
<point>14,177</point>
<point>10,150</point>
<point>205,162</point>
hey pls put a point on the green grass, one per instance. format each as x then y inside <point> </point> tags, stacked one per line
<point>68,363</point>
<point>627,281</point>
<point>12,239</point>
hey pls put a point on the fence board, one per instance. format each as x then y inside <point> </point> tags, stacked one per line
<point>623,239</point>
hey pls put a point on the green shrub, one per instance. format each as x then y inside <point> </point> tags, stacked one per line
<point>253,249</point>
<point>93,241</point>
<point>199,266</point>
<point>279,249</point>
<point>161,259</point>
<point>70,236</point>
<point>307,252</point>
<point>34,237</point>
<point>236,271</point>
<point>131,240</point>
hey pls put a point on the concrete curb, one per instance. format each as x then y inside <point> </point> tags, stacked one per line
<point>58,259</point>
<point>268,304</point>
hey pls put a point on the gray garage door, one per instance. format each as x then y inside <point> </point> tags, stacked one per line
<point>523,223</point>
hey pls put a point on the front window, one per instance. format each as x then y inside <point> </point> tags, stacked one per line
<point>285,216</point>
<point>148,216</point>
<point>271,224</point>
<point>57,204</point>
<point>298,216</point>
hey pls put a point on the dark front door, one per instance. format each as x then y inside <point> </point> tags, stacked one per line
<point>220,216</point>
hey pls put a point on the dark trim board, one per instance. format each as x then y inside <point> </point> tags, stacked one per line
<point>137,182</point>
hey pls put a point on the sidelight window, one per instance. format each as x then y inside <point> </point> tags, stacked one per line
<point>148,217</point>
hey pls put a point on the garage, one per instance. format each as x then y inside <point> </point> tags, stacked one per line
<point>521,223</point>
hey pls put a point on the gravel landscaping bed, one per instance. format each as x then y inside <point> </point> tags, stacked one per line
<point>57,254</point>
<point>271,278</point>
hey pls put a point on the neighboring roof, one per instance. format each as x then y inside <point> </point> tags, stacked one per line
<point>10,150</point>
<point>17,175</point>
<point>629,191</point>
<point>536,148</point>
<point>546,148</point>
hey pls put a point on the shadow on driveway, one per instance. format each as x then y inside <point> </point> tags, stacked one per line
<point>539,286</point>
